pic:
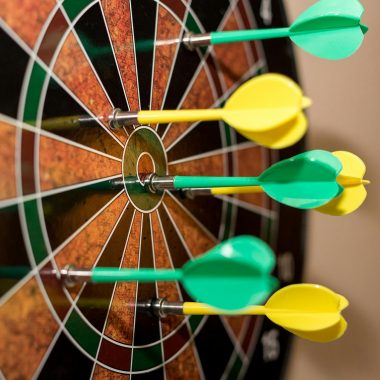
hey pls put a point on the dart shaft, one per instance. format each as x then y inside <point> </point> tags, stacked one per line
<point>183,182</point>
<point>73,275</point>
<point>196,308</point>
<point>125,119</point>
<point>247,35</point>
<point>237,190</point>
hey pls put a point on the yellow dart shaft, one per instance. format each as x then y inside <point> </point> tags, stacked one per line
<point>351,181</point>
<point>236,190</point>
<point>196,308</point>
<point>178,116</point>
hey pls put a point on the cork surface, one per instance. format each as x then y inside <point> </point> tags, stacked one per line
<point>25,18</point>
<point>85,247</point>
<point>233,62</point>
<point>73,68</point>
<point>184,366</point>
<point>118,17</point>
<point>168,32</point>
<point>168,290</point>
<point>121,316</point>
<point>7,160</point>
<point>63,164</point>
<point>27,328</point>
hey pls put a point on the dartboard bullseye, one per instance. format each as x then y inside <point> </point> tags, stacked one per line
<point>73,189</point>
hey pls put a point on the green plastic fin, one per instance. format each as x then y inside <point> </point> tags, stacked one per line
<point>344,43</point>
<point>345,9</point>
<point>305,181</point>
<point>330,29</point>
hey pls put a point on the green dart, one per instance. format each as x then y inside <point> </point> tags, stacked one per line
<point>305,181</point>
<point>231,276</point>
<point>329,29</point>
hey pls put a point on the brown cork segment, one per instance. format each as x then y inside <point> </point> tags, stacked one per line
<point>167,290</point>
<point>250,162</point>
<point>184,366</point>
<point>27,328</point>
<point>26,18</point>
<point>62,164</point>
<point>233,62</point>
<point>121,316</point>
<point>118,17</point>
<point>7,160</point>
<point>104,373</point>
<point>83,250</point>
<point>168,32</point>
<point>74,69</point>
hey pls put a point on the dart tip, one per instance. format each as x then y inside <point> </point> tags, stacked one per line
<point>364,28</point>
<point>365,182</point>
<point>306,102</point>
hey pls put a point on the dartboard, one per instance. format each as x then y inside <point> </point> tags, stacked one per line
<point>66,66</point>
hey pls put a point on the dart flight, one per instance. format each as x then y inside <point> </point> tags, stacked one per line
<point>267,109</point>
<point>232,275</point>
<point>305,181</point>
<point>307,310</point>
<point>351,178</point>
<point>330,29</point>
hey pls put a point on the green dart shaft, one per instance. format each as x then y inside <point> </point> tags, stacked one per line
<point>183,182</point>
<point>247,35</point>
<point>142,275</point>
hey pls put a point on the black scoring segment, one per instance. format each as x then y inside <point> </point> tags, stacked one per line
<point>144,28</point>
<point>65,212</point>
<point>213,336</point>
<point>212,15</point>
<point>66,362</point>
<point>185,67</point>
<point>59,105</point>
<point>194,142</point>
<point>15,266</point>
<point>13,61</point>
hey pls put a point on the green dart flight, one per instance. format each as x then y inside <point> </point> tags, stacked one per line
<point>329,29</point>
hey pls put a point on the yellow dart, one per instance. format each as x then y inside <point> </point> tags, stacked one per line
<point>310,311</point>
<point>351,178</point>
<point>266,109</point>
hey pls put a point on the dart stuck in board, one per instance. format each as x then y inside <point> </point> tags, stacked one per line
<point>309,180</point>
<point>230,276</point>
<point>310,311</point>
<point>267,109</point>
<point>330,29</point>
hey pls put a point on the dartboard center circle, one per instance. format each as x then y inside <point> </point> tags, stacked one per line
<point>145,165</point>
<point>144,154</point>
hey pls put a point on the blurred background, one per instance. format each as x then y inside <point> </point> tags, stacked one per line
<point>344,253</point>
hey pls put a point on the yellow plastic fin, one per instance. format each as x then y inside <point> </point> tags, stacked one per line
<point>351,177</point>
<point>278,98</point>
<point>282,137</point>
<point>323,336</point>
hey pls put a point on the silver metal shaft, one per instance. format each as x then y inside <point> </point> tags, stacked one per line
<point>72,276</point>
<point>192,41</point>
<point>161,307</point>
<point>119,119</point>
